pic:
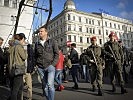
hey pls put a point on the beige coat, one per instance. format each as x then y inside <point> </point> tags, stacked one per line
<point>19,57</point>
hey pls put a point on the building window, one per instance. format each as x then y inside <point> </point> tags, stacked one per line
<point>100,41</point>
<point>81,40</point>
<point>89,21</point>
<point>74,38</point>
<point>130,29</point>
<point>99,23</point>
<point>6,3</point>
<point>92,22</point>
<point>69,27</point>
<point>118,26</point>
<point>87,30</point>
<point>106,24</point>
<point>106,32</point>
<point>93,31</point>
<point>61,30</point>
<point>74,18</point>
<point>14,4</point>
<point>99,32</point>
<point>110,25</point>
<point>80,28</point>
<point>87,40</point>
<point>90,30</point>
<point>69,37</point>
<point>74,28</point>
<point>79,19</point>
<point>114,25</point>
<point>69,17</point>
<point>86,20</point>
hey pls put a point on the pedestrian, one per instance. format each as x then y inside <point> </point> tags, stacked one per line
<point>67,68</point>
<point>59,69</point>
<point>75,65</point>
<point>17,59</point>
<point>30,68</point>
<point>85,67</point>
<point>116,59</point>
<point>46,57</point>
<point>2,62</point>
<point>95,61</point>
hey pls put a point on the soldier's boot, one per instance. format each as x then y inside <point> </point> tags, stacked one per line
<point>100,92</point>
<point>93,88</point>
<point>123,90</point>
<point>113,88</point>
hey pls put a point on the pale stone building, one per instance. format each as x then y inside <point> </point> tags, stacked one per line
<point>78,27</point>
<point>8,13</point>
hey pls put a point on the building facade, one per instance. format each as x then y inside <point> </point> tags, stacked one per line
<point>78,27</point>
<point>8,13</point>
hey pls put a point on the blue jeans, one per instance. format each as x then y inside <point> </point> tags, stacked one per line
<point>86,73</point>
<point>47,76</point>
<point>58,76</point>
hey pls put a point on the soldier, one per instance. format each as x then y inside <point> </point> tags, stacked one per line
<point>126,62</point>
<point>94,56</point>
<point>115,55</point>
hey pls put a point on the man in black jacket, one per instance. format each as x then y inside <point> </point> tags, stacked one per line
<point>46,55</point>
<point>75,64</point>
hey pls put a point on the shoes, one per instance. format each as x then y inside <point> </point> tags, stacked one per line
<point>93,88</point>
<point>100,92</point>
<point>60,88</point>
<point>113,88</point>
<point>75,87</point>
<point>123,91</point>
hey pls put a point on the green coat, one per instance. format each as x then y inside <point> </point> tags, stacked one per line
<point>19,56</point>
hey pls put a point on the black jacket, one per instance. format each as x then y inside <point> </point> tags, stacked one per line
<point>48,54</point>
<point>74,56</point>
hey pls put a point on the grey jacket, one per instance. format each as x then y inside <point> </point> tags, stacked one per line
<point>46,55</point>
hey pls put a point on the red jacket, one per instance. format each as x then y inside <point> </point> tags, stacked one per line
<point>59,65</point>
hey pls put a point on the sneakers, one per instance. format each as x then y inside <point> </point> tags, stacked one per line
<point>60,88</point>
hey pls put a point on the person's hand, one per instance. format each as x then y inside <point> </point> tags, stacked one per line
<point>92,61</point>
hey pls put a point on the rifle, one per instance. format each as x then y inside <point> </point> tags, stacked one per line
<point>95,61</point>
<point>113,54</point>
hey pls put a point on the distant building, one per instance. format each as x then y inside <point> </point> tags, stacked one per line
<point>8,13</point>
<point>73,26</point>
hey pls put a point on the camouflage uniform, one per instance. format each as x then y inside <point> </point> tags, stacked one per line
<point>115,63</point>
<point>96,71</point>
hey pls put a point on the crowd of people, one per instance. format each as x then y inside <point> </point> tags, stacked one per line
<point>20,60</point>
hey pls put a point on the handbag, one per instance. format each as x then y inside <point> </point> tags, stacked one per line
<point>17,69</point>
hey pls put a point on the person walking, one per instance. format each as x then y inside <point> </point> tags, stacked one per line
<point>116,59</point>
<point>75,65</point>
<point>59,69</point>
<point>46,57</point>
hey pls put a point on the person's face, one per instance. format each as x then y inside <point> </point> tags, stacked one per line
<point>94,41</point>
<point>112,38</point>
<point>42,32</point>
<point>1,42</point>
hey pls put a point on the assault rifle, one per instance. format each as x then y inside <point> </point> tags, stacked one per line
<point>94,58</point>
<point>113,54</point>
